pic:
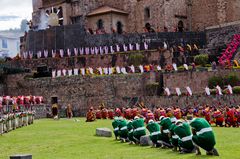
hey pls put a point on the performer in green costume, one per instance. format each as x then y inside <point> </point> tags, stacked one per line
<point>203,136</point>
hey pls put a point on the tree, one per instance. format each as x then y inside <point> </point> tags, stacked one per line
<point>24,25</point>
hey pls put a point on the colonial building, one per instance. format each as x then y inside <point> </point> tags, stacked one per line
<point>110,15</point>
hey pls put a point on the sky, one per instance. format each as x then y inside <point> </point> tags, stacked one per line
<point>13,11</point>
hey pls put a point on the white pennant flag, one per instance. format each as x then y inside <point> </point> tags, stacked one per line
<point>101,50</point>
<point>87,50</point>
<point>145,46</point>
<point>105,70</point>
<point>175,66</point>
<point>230,89</point>
<point>137,46</point>
<point>100,70</point>
<point>106,49</point>
<point>185,66</point>
<point>167,91</point>
<point>123,70</point>
<point>81,51</point>
<point>69,52</point>
<point>189,91</point>
<point>125,48</point>
<point>96,50</point>
<point>219,90</point>
<point>118,70</point>
<point>45,53</point>
<point>59,73</point>
<point>130,47</point>
<point>53,54</point>
<point>64,72</point>
<point>165,45</point>
<point>159,68</point>
<point>207,90</point>
<point>178,91</point>
<point>111,49</point>
<point>110,71</point>
<point>91,70</point>
<point>132,69</point>
<point>70,72</point>
<point>141,69</point>
<point>30,54</point>
<point>39,54</point>
<point>83,71</point>
<point>92,50</point>
<point>61,53</point>
<point>75,51</point>
<point>54,74</point>
<point>25,55</point>
<point>75,72</point>
<point>117,48</point>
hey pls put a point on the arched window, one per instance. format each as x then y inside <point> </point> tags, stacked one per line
<point>180,26</point>
<point>100,24</point>
<point>119,27</point>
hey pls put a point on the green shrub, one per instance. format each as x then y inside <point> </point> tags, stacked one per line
<point>201,59</point>
<point>151,89</point>
<point>135,59</point>
<point>236,90</point>
<point>231,79</point>
<point>214,81</point>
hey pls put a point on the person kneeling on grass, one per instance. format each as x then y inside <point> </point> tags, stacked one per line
<point>165,123</point>
<point>183,131</point>
<point>203,136</point>
<point>154,129</point>
<point>130,132</point>
<point>123,131</point>
<point>115,125</point>
<point>139,129</point>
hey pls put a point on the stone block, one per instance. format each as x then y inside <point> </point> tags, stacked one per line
<point>21,157</point>
<point>105,132</point>
<point>145,141</point>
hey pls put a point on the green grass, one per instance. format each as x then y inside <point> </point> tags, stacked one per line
<point>66,139</point>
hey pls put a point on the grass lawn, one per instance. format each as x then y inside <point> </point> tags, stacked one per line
<point>66,139</point>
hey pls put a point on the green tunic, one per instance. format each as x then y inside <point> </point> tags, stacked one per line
<point>115,125</point>
<point>185,136</point>
<point>139,129</point>
<point>174,138</point>
<point>204,135</point>
<point>130,131</point>
<point>154,129</point>
<point>123,131</point>
<point>165,123</point>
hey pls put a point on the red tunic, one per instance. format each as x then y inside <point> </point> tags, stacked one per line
<point>104,113</point>
<point>110,114</point>
<point>98,114</point>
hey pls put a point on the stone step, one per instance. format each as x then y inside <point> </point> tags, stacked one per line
<point>104,132</point>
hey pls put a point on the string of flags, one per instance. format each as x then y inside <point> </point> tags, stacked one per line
<point>105,70</point>
<point>207,91</point>
<point>88,51</point>
<point>100,50</point>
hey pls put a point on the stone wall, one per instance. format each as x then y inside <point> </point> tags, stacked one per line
<point>115,90</point>
<point>94,61</point>
<point>221,35</point>
<point>197,81</point>
<point>74,36</point>
<point>81,92</point>
<point>206,13</point>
